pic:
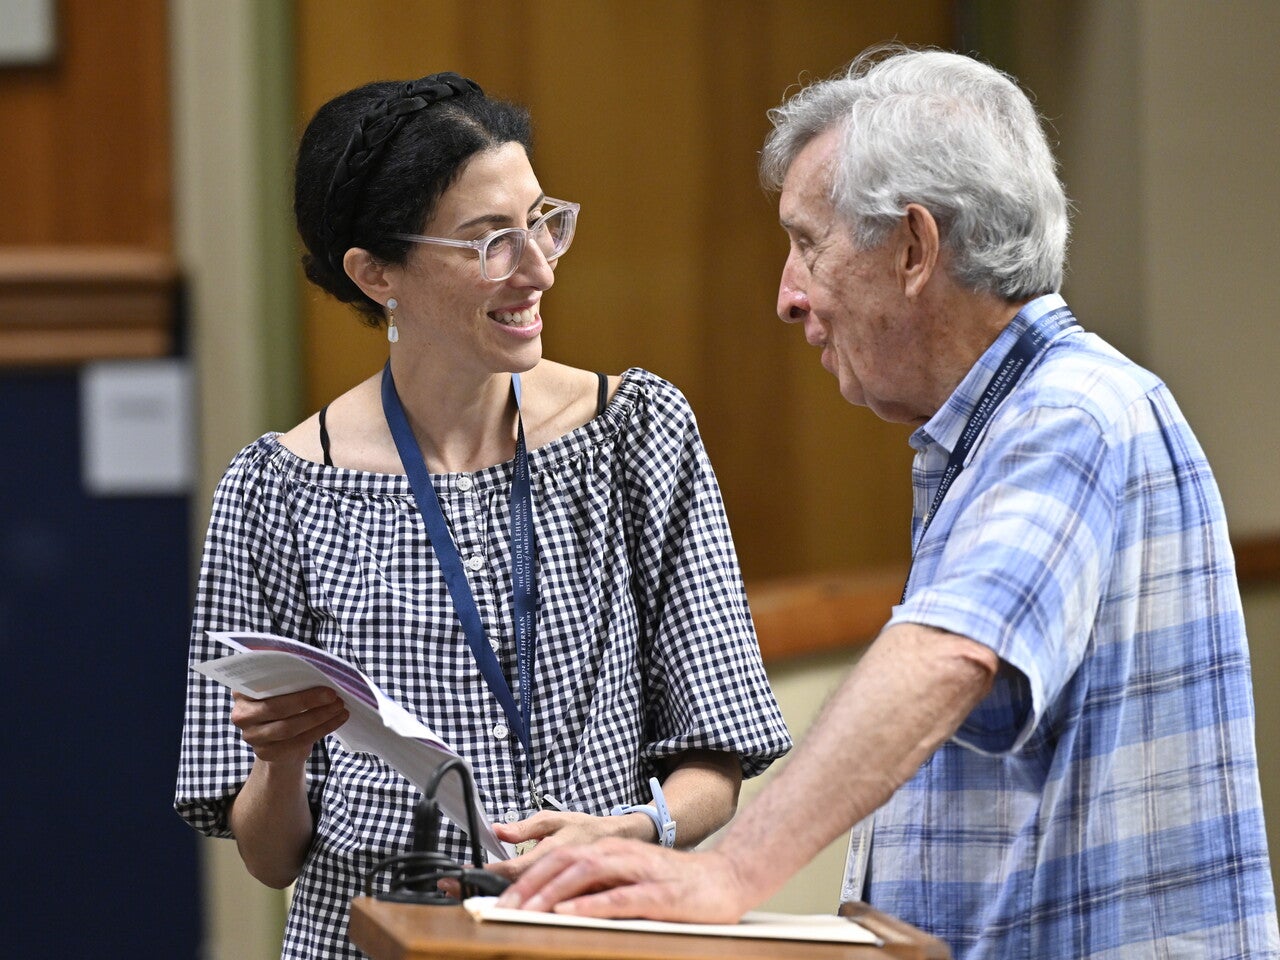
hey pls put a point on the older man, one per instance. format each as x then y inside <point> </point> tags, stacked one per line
<point>1049,750</point>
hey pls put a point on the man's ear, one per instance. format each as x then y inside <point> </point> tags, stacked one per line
<point>917,255</point>
<point>369,274</point>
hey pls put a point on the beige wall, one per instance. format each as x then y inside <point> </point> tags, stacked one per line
<point>1167,111</point>
<point>1209,82</point>
<point>1169,121</point>
<point>225,212</point>
<point>802,687</point>
<point>1262,614</point>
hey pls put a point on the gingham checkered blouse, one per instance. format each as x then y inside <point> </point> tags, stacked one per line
<point>645,644</point>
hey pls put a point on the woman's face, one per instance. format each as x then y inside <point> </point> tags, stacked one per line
<point>446,306</point>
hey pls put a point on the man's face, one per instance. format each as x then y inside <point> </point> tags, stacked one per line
<point>850,301</point>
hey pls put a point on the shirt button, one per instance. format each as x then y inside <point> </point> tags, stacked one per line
<point>500,731</point>
<point>465,483</point>
<point>495,643</point>
<point>511,816</point>
<point>475,562</point>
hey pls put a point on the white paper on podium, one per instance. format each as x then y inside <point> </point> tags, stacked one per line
<point>264,665</point>
<point>820,927</point>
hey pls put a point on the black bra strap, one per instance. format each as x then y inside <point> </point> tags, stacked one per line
<point>324,437</point>
<point>602,401</point>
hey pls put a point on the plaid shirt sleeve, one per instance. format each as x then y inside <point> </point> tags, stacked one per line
<point>1028,547</point>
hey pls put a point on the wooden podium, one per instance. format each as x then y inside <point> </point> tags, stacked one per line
<point>398,931</point>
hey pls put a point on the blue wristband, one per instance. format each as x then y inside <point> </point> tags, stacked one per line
<point>656,811</point>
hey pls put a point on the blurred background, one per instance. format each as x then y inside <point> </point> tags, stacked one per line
<point>153,320</point>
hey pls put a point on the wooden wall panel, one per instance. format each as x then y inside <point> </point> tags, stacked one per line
<point>651,115</point>
<point>61,304</point>
<point>86,263</point>
<point>86,158</point>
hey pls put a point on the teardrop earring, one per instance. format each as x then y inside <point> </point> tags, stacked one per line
<point>393,332</point>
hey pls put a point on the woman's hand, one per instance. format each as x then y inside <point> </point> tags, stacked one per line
<point>552,829</point>
<point>701,793</point>
<point>283,729</point>
<point>270,816</point>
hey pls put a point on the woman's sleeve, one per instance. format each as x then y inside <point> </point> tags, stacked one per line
<point>705,684</point>
<point>249,580</point>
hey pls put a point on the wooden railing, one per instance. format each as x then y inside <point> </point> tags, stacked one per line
<point>65,304</point>
<point>802,615</point>
<point>826,612</point>
<point>1258,560</point>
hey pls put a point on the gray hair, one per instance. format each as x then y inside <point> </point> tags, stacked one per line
<point>950,133</point>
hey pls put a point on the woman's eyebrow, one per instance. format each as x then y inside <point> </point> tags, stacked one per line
<point>499,219</point>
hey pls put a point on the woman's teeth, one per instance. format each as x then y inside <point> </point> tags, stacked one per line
<point>516,318</point>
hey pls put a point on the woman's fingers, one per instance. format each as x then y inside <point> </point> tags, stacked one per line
<point>287,725</point>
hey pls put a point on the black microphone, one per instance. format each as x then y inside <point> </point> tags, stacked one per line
<point>426,825</point>
<point>416,874</point>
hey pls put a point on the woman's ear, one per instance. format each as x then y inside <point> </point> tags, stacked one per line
<point>368,273</point>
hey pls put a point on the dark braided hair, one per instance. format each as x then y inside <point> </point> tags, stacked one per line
<point>375,161</point>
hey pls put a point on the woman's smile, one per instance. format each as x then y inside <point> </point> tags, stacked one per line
<point>517,316</point>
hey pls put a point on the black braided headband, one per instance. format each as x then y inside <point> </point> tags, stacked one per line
<point>366,147</point>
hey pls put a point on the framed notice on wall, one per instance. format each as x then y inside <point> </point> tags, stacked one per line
<point>28,32</point>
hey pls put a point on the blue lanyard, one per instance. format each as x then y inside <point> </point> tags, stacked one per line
<point>524,587</point>
<point>1028,346</point>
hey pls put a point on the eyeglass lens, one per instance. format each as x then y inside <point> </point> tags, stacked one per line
<point>552,234</point>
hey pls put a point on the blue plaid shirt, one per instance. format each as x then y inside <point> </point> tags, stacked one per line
<point>1103,800</point>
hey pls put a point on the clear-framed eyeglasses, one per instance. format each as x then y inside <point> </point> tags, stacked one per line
<point>501,250</point>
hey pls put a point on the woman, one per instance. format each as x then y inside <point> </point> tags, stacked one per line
<point>613,596</point>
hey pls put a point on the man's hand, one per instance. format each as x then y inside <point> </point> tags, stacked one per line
<point>624,878</point>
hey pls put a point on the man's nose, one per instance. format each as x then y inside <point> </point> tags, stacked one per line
<point>793,303</point>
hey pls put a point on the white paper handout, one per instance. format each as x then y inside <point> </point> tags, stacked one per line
<point>820,927</point>
<point>264,665</point>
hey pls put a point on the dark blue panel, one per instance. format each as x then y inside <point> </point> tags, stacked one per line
<point>94,613</point>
